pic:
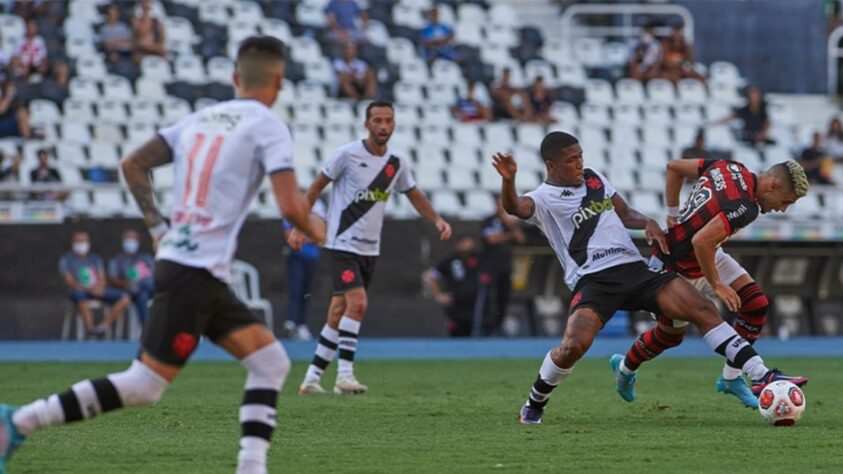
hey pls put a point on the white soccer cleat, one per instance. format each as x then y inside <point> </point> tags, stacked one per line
<point>347,385</point>
<point>310,387</point>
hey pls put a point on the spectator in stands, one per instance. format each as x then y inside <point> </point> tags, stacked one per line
<point>115,35</point>
<point>131,271</point>
<point>8,172</point>
<point>455,284</point>
<point>149,33</point>
<point>302,266</point>
<point>469,109</point>
<point>356,80</point>
<point>753,115</point>
<point>437,39</point>
<point>540,101</point>
<point>818,165</point>
<point>833,141</point>
<point>342,17</point>
<point>32,51</point>
<point>14,116</point>
<point>46,174</point>
<point>500,233</point>
<point>698,149</point>
<point>645,55</point>
<point>84,274</point>
<point>677,58</point>
<point>509,101</point>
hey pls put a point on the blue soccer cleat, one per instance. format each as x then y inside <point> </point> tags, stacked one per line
<point>738,388</point>
<point>530,415</point>
<point>625,383</point>
<point>10,438</point>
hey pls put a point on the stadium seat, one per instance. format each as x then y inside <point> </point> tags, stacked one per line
<point>44,112</point>
<point>111,111</point>
<point>599,91</point>
<point>400,51</point>
<point>614,54</point>
<point>180,35</point>
<point>78,110</point>
<point>174,109</point>
<point>527,181</point>
<point>190,69</point>
<point>684,135</point>
<point>320,71</point>
<point>478,204</point>
<point>408,16</point>
<point>276,28</point>
<point>309,15</point>
<point>468,33</point>
<point>338,135</point>
<point>156,67</point>
<point>651,179</point>
<point>408,94</point>
<point>749,157</point>
<point>501,35</point>
<point>441,94</point>
<point>565,114</point>
<point>657,115</point>
<point>627,114</point>
<point>467,135</point>
<point>76,47</point>
<point>726,73</point>
<point>715,111</point>
<point>654,157</point>
<point>247,12</point>
<point>310,92</point>
<point>630,91</point>
<point>595,114</point>
<point>489,178</point>
<point>692,91</point>
<point>75,131</point>
<point>84,89</point>
<point>429,178</point>
<point>724,92</point>
<point>306,134</point>
<point>625,134</point>
<point>213,12</point>
<point>592,137</point>
<point>689,114</point>
<point>571,74</point>
<point>139,131</point>
<point>150,88</point>
<point>806,207</point>
<point>12,27</point>
<point>530,134</point>
<point>588,51</point>
<point>498,135</point>
<point>404,136</point>
<point>340,113</point>
<point>431,155</point>
<point>655,135</point>
<point>433,136</point>
<point>103,153</point>
<point>220,69</point>
<point>239,31</point>
<point>70,153</point>
<point>720,137</point>
<point>460,179</point>
<point>447,202</point>
<point>117,88</point>
<point>471,13</point>
<point>540,68</point>
<point>496,55</point>
<point>436,114</point>
<point>648,203</point>
<point>661,91</point>
<point>78,27</point>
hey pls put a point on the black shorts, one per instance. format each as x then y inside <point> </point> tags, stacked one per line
<point>189,303</point>
<point>349,270</point>
<point>631,286</point>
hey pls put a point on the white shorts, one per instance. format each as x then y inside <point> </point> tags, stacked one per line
<point>727,267</point>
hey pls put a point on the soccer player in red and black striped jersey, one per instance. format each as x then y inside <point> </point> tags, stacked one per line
<point>725,198</point>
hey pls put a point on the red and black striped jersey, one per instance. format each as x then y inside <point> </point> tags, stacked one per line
<point>724,190</point>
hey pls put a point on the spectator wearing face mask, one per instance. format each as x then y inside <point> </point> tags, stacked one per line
<point>84,274</point>
<point>131,270</point>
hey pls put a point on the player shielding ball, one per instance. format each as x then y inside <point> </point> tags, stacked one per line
<point>586,222</point>
<point>365,173</point>
<point>220,155</point>
<point>726,198</point>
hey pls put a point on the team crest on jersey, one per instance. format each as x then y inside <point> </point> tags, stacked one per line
<point>594,183</point>
<point>389,170</point>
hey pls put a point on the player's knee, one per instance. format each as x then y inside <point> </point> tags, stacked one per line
<point>268,366</point>
<point>139,385</point>
<point>356,305</point>
<point>572,349</point>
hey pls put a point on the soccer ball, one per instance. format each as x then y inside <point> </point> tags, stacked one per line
<point>781,403</point>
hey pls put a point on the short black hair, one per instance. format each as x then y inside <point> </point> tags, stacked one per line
<point>378,103</point>
<point>263,45</point>
<point>553,144</point>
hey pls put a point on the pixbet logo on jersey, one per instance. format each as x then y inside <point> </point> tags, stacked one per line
<point>371,195</point>
<point>595,208</point>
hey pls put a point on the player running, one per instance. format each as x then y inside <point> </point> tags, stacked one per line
<point>220,155</point>
<point>726,198</point>
<point>585,222</point>
<point>365,173</point>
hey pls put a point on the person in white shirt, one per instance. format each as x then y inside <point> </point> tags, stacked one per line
<point>220,155</point>
<point>365,173</point>
<point>32,51</point>
<point>585,222</point>
<point>355,79</point>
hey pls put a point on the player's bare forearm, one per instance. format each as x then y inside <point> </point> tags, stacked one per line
<point>705,244</point>
<point>315,190</point>
<point>677,172</point>
<point>136,167</point>
<point>422,205</point>
<point>521,207</point>
<point>293,205</point>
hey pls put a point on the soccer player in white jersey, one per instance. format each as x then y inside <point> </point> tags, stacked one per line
<point>365,173</point>
<point>585,222</point>
<point>220,155</point>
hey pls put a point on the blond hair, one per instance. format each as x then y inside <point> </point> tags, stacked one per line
<point>798,179</point>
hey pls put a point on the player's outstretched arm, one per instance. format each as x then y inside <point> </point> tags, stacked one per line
<point>521,207</point>
<point>294,205</point>
<point>632,219</point>
<point>705,244</point>
<point>316,187</point>
<point>425,209</point>
<point>677,172</point>
<point>135,168</point>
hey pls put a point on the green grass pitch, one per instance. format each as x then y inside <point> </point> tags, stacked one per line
<point>444,417</point>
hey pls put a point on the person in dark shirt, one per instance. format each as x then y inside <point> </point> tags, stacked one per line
<point>756,123</point>
<point>469,109</point>
<point>46,174</point>
<point>131,270</point>
<point>301,274</point>
<point>697,150</point>
<point>500,234</point>
<point>455,284</point>
<point>816,161</point>
<point>540,99</point>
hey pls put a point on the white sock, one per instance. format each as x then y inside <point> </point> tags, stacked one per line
<point>626,370</point>
<point>726,342</point>
<point>551,373</point>
<point>325,350</point>
<point>38,414</point>
<point>348,330</point>
<point>731,373</point>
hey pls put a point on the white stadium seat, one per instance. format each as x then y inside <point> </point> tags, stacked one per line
<point>78,110</point>
<point>661,91</point>
<point>692,91</point>
<point>276,28</point>
<point>111,111</point>
<point>447,202</point>
<point>44,112</point>
<point>627,114</point>
<point>174,109</point>
<point>84,89</point>
<point>156,67</point>
<point>599,91</point>
<point>190,69</point>
<point>630,91</point>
